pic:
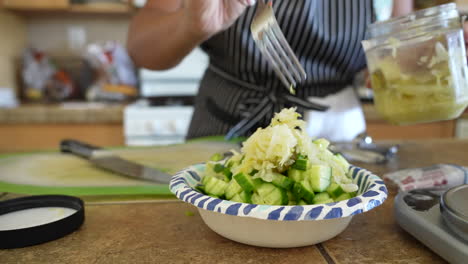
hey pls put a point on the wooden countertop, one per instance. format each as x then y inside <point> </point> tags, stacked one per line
<point>162,231</point>
<point>98,113</point>
<point>63,113</point>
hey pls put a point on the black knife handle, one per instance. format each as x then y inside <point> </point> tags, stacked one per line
<point>76,147</point>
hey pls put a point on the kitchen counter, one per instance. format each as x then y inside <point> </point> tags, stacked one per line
<point>75,113</point>
<point>82,112</point>
<point>34,127</point>
<point>164,231</point>
<point>41,127</point>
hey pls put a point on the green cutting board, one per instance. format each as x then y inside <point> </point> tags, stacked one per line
<point>57,173</point>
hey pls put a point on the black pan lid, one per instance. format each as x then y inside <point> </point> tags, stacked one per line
<point>39,219</point>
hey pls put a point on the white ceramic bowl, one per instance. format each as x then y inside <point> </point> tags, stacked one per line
<point>278,226</point>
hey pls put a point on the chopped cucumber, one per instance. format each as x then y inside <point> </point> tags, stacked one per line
<point>246,197</point>
<point>256,199</point>
<point>216,157</point>
<point>301,202</point>
<point>218,168</point>
<point>232,189</point>
<point>281,181</point>
<point>227,172</point>
<point>246,181</point>
<point>291,196</point>
<point>344,196</point>
<point>325,201</point>
<point>236,198</point>
<point>322,198</point>
<point>200,188</point>
<point>300,164</point>
<point>214,186</point>
<point>335,190</point>
<point>303,190</point>
<point>243,197</point>
<point>295,175</point>
<point>342,161</point>
<point>271,194</point>
<point>319,177</point>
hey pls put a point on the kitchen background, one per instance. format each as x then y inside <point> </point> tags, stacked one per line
<point>64,73</point>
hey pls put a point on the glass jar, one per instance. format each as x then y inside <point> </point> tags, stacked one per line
<point>417,65</point>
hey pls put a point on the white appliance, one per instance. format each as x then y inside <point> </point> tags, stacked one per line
<point>166,123</point>
<point>146,125</point>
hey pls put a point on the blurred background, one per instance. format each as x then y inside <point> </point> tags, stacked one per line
<point>65,73</point>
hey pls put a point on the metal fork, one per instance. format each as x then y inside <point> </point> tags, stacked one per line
<point>274,46</point>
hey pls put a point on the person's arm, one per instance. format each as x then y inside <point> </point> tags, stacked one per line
<point>402,7</point>
<point>165,31</point>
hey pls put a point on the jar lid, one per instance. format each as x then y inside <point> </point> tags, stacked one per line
<point>38,219</point>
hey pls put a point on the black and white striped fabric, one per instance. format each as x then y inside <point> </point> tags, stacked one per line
<point>240,92</point>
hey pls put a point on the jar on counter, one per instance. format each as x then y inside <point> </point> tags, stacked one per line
<point>418,66</point>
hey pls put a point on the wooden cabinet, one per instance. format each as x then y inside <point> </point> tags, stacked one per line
<point>36,4</point>
<point>44,6</point>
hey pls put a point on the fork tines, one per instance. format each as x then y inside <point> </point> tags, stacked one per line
<point>274,46</point>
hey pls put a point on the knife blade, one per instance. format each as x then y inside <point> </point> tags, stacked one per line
<point>109,161</point>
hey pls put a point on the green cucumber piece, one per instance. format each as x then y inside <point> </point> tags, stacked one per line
<point>272,195</point>
<point>291,196</point>
<point>222,172</point>
<point>292,202</point>
<point>236,198</point>
<point>325,201</point>
<point>232,189</point>
<point>227,172</point>
<point>216,157</point>
<point>214,186</point>
<point>246,181</point>
<point>335,190</point>
<point>341,161</point>
<point>319,177</point>
<point>200,188</point>
<point>256,199</point>
<point>303,190</point>
<point>218,168</point>
<point>246,197</point>
<point>295,175</point>
<point>301,202</point>
<point>281,181</point>
<point>242,197</point>
<point>321,197</point>
<point>344,196</point>
<point>300,164</point>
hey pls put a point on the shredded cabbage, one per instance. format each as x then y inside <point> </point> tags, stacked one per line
<point>276,147</point>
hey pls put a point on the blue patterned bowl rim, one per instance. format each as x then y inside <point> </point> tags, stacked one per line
<point>372,193</point>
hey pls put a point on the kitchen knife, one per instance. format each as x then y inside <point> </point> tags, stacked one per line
<point>109,161</point>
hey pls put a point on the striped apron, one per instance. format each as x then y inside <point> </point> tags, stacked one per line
<point>240,92</point>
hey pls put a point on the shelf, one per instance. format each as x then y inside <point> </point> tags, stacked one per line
<point>46,7</point>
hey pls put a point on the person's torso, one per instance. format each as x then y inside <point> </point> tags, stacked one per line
<point>325,35</point>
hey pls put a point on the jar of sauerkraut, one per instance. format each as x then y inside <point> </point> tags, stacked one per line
<point>418,66</point>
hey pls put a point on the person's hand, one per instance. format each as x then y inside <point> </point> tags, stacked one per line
<point>208,17</point>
